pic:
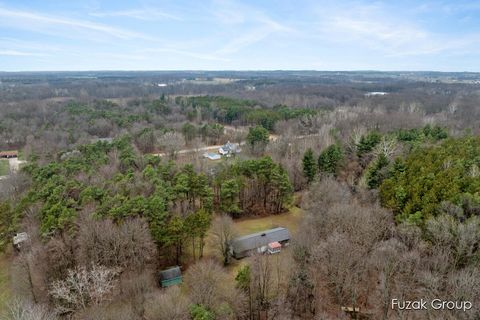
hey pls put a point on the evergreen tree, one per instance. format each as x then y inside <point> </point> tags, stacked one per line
<point>329,160</point>
<point>309,165</point>
<point>368,142</point>
<point>229,197</point>
<point>257,136</point>
<point>433,174</point>
<point>375,175</point>
<point>189,131</point>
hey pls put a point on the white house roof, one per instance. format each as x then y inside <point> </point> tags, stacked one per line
<point>229,147</point>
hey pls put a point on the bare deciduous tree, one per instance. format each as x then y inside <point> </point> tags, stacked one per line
<point>386,146</point>
<point>171,304</point>
<point>83,287</point>
<point>209,285</point>
<point>171,143</point>
<point>128,245</point>
<point>224,232</point>
<point>19,309</point>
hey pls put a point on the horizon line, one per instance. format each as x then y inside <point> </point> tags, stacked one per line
<point>230,70</point>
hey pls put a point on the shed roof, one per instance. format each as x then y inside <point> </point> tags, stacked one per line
<point>274,245</point>
<point>171,273</point>
<point>9,153</point>
<point>259,239</point>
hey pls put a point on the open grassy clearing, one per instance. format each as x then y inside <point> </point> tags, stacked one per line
<point>289,220</point>
<point>4,167</point>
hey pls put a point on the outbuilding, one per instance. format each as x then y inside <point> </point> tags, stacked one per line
<point>274,247</point>
<point>268,241</point>
<point>9,154</point>
<point>171,276</point>
<point>19,239</point>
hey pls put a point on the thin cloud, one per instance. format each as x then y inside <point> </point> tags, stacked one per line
<point>258,25</point>
<point>20,53</point>
<point>191,54</point>
<point>245,40</point>
<point>140,14</point>
<point>228,12</point>
<point>27,45</point>
<point>375,33</point>
<point>375,28</point>
<point>25,18</point>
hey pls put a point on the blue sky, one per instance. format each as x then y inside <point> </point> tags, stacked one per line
<point>239,35</point>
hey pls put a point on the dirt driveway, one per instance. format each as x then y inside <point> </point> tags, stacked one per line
<point>15,164</point>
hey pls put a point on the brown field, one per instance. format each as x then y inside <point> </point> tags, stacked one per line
<point>5,289</point>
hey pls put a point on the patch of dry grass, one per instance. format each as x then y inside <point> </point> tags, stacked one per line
<point>5,290</point>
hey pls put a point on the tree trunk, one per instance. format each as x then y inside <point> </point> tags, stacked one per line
<point>193,248</point>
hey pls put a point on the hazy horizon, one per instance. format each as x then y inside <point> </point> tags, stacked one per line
<point>234,70</point>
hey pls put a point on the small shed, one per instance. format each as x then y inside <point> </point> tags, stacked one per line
<point>170,276</point>
<point>258,242</point>
<point>9,154</point>
<point>19,239</point>
<point>274,247</point>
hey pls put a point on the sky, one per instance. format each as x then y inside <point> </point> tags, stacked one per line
<point>47,35</point>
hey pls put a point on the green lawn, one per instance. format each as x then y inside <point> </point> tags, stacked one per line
<point>4,167</point>
<point>289,220</point>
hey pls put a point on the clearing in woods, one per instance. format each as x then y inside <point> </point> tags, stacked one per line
<point>290,220</point>
<point>280,261</point>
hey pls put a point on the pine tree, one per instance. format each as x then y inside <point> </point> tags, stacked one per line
<point>257,136</point>
<point>375,174</point>
<point>329,160</point>
<point>309,165</point>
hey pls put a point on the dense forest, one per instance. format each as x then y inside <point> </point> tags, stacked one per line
<point>381,194</point>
